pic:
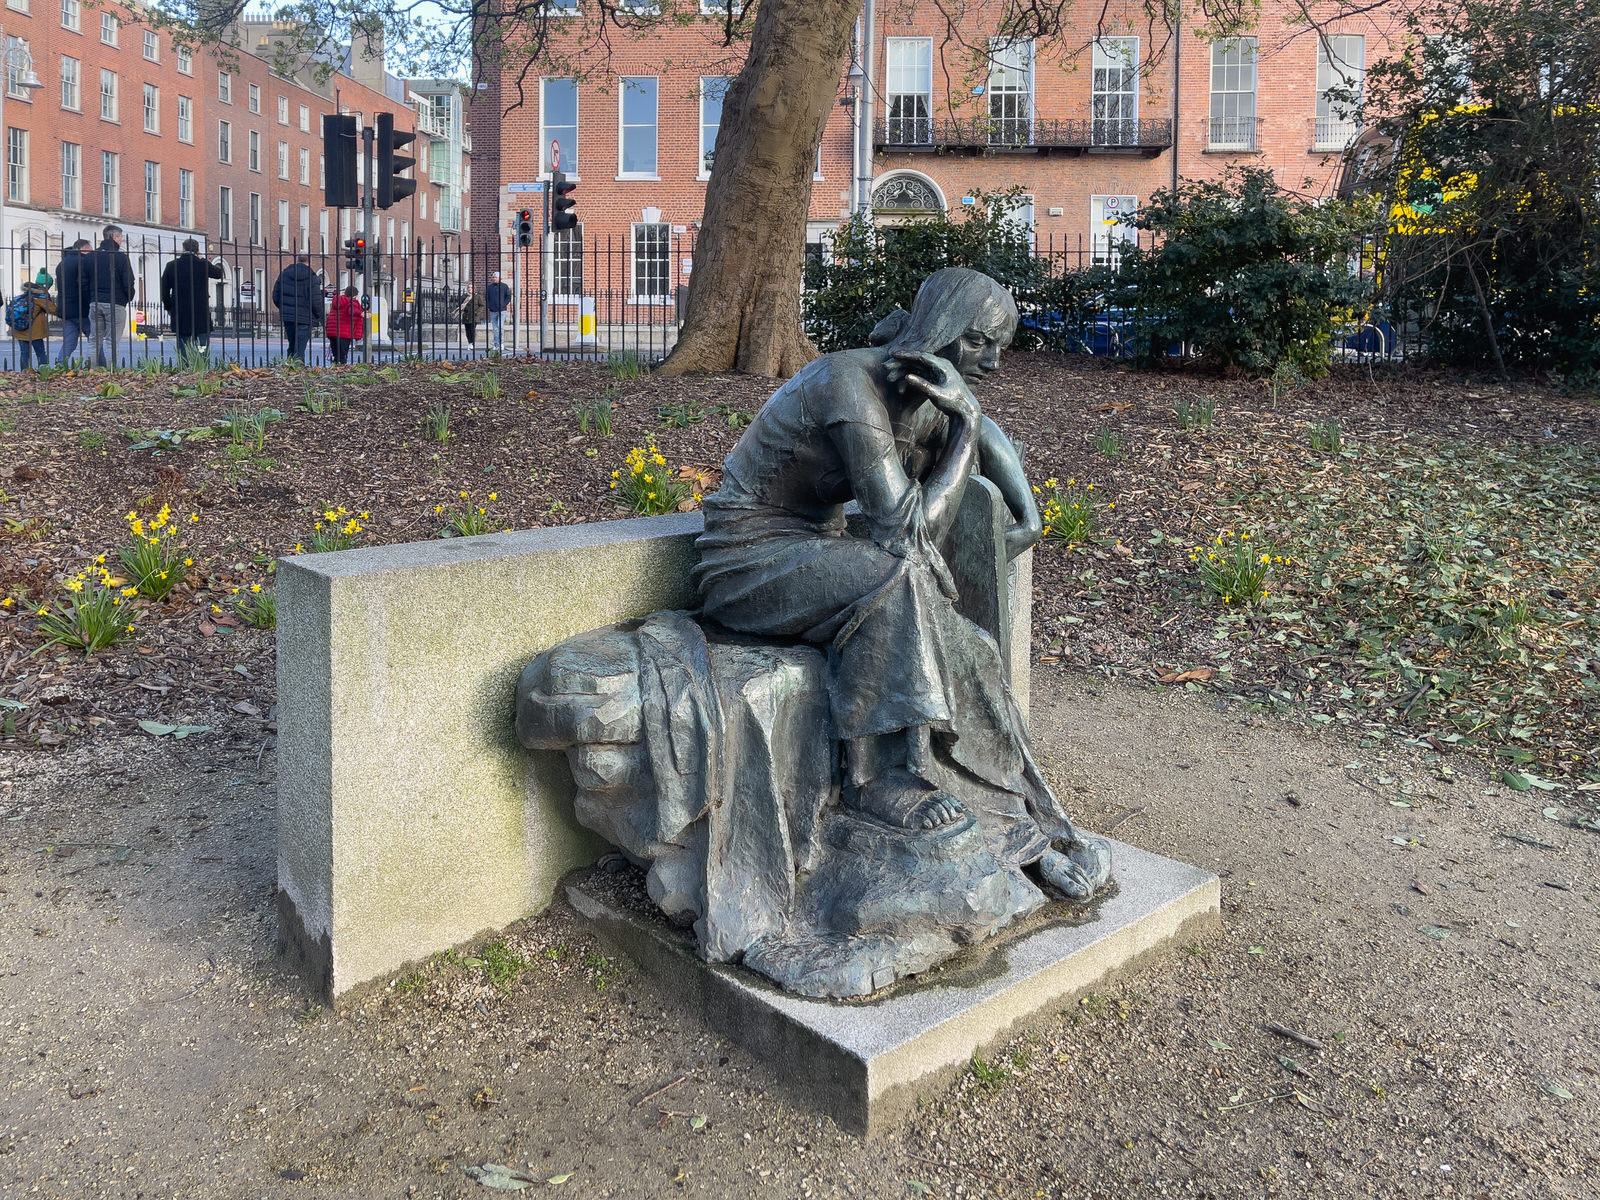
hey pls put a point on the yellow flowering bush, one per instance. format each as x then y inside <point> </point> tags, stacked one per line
<point>155,557</point>
<point>1067,513</point>
<point>647,484</point>
<point>337,528</point>
<point>469,520</point>
<point>94,615</point>
<point>257,606</point>
<point>1235,567</point>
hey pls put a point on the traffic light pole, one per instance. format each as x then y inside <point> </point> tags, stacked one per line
<point>544,242</point>
<point>368,224</point>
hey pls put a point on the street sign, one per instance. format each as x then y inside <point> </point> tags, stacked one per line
<point>555,154</point>
<point>525,187</point>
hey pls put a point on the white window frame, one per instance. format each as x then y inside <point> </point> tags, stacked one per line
<point>152,196</point>
<point>109,99</point>
<point>724,82</point>
<point>571,169</point>
<point>305,119</point>
<point>1341,62</point>
<point>72,181</point>
<point>562,244</point>
<point>562,8</point>
<point>322,230</point>
<point>72,15</point>
<point>908,81</point>
<point>623,127</point>
<point>305,227</point>
<point>283,160</point>
<point>305,166</point>
<point>186,120</point>
<point>1106,237</point>
<point>283,225</point>
<point>225,214</point>
<point>185,60</point>
<point>110,183</point>
<point>634,295</point>
<point>225,141</point>
<point>1234,128</point>
<point>253,98</point>
<point>20,6</point>
<point>1008,56</point>
<point>109,24</point>
<point>185,198</point>
<point>152,46</point>
<point>257,228</point>
<point>1114,111</point>
<point>719,8</point>
<point>224,87</point>
<point>152,109</point>
<point>253,150</point>
<point>72,79</point>
<point>16,165</point>
<point>283,111</point>
<point>14,88</point>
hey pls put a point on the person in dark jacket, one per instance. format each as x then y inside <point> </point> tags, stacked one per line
<point>113,292</point>
<point>75,296</point>
<point>498,296</point>
<point>185,295</point>
<point>297,293</point>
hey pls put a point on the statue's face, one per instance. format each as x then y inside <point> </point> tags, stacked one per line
<point>977,351</point>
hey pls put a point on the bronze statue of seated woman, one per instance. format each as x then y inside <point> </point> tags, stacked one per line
<point>864,797</point>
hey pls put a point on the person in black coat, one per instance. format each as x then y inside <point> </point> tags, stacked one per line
<point>298,296</point>
<point>185,295</point>
<point>75,295</point>
<point>113,292</point>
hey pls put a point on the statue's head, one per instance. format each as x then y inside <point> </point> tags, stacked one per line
<point>959,314</point>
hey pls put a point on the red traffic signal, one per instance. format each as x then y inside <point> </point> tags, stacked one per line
<point>525,227</point>
<point>561,201</point>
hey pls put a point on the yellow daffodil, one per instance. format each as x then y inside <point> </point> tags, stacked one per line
<point>255,587</point>
<point>188,562</point>
<point>492,497</point>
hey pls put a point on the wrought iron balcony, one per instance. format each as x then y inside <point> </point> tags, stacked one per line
<point>974,135</point>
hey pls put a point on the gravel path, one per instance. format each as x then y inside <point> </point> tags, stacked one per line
<point>1373,901</point>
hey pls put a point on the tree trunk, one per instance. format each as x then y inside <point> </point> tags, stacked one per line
<point>744,291</point>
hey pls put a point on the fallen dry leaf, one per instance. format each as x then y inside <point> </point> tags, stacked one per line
<point>1112,406</point>
<point>1194,675</point>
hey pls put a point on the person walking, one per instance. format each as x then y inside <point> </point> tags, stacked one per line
<point>297,293</point>
<point>75,296</point>
<point>185,291</point>
<point>344,324</point>
<point>113,292</point>
<point>28,317</point>
<point>471,314</point>
<point>498,295</point>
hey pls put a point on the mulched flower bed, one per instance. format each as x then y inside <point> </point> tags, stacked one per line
<point>1446,500</point>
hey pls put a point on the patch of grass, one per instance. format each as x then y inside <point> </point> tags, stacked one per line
<point>1068,513</point>
<point>93,439</point>
<point>248,429</point>
<point>321,402</point>
<point>1197,412</point>
<point>436,425</point>
<point>151,368</point>
<point>7,425</point>
<point>1286,377</point>
<point>682,415</point>
<point>595,416</point>
<point>389,374</point>
<point>1109,444</point>
<point>601,969</point>
<point>1444,582</point>
<point>34,398</point>
<point>1234,567</point>
<point>502,965</point>
<point>1325,436</point>
<point>470,520</point>
<point>990,1073</point>
<point>486,385</point>
<point>626,364</point>
<point>195,360</point>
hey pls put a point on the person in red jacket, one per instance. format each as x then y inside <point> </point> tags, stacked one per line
<point>343,325</point>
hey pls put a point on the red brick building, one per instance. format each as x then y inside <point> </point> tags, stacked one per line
<point>1087,129</point>
<point>126,126</point>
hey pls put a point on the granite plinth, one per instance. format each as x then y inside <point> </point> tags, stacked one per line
<point>866,1063</point>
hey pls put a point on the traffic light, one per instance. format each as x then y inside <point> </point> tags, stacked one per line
<point>525,227</point>
<point>391,188</point>
<point>561,203</point>
<point>355,254</point>
<point>340,148</point>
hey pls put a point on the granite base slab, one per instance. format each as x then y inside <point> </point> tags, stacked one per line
<point>865,1063</point>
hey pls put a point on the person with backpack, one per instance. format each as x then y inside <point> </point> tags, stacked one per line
<point>471,313</point>
<point>184,288</point>
<point>113,292</point>
<point>75,295</point>
<point>28,318</point>
<point>344,324</point>
<point>297,293</point>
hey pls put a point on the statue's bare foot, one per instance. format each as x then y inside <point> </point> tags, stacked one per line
<point>1079,872</point>
<point>899,798</point>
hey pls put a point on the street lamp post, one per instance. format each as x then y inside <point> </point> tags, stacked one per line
<point>19,62</point>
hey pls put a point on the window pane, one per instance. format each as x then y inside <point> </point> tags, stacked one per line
<point>639,126</point>
<point>713,90</point>
<point>560,115</point>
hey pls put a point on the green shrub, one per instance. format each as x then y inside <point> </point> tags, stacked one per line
<point>874,270</point>
<point>1246,274</point>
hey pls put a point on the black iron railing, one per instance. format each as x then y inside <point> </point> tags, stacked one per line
<point>980,133</point>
